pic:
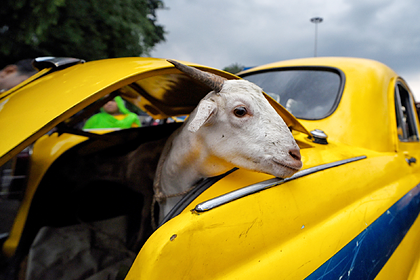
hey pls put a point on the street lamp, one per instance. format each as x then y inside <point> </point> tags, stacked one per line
<point>316,20</point>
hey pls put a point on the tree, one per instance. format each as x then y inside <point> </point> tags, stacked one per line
<point>234,68</point>
<point>87,29</point>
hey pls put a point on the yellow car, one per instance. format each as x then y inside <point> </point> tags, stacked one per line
<point>350,213</point>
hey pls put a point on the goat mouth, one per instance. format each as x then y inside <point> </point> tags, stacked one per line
<point>295,167</point>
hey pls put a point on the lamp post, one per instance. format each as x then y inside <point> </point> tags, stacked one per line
<point>316,20</point>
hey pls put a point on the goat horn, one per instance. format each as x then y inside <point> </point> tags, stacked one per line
<point>213,81</point>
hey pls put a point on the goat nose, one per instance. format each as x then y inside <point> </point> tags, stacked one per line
<point>295,154</point>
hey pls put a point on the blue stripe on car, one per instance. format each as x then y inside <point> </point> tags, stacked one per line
<point>365,255</point>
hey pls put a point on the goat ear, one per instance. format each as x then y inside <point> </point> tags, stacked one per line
<point>205,110</point>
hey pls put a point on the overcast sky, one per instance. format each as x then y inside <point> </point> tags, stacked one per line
<point>218,33</point>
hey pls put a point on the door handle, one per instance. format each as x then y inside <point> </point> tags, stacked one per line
<point>411,160</point>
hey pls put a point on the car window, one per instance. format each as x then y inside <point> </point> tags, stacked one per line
<point>405,114</point>
<point>311,93</point>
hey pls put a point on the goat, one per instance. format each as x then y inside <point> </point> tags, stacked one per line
<point>233,126</point>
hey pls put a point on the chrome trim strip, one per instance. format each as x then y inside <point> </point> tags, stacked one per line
<point>223,199</point>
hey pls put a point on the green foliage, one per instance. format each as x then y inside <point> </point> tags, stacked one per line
<point>87,29</point>
<point>234,68</point>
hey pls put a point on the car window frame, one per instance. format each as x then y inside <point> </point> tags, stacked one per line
<point>408,103</point>
<point>334,70</point>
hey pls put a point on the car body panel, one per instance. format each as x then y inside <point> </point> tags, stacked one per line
<point>253,240</point>
<point>350,213</point>
<point>298,229</point>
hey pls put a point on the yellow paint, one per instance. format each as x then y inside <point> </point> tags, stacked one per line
<point>285,232</point>
<point>288,231</point>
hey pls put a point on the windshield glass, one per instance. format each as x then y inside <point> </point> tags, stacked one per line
<point>306,93</point>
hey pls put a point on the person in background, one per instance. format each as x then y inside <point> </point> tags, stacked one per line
<point>14,74</point>
<point>113,114</point>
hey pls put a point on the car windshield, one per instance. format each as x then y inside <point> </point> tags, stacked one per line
<point>306,93</point>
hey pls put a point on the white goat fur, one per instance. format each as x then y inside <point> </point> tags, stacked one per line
<point>213,140</point>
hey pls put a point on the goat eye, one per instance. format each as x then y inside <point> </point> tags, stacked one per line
<point>240,112</point>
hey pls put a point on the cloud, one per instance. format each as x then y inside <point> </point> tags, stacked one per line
<point>219,33</point>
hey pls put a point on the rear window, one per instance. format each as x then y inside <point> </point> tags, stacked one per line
<point>308,93</point>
